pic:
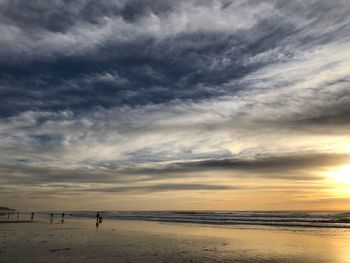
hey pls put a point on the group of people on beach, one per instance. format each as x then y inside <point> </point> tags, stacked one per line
<point>99,218</point>
<point>11,214</point>
<point>51,218</point>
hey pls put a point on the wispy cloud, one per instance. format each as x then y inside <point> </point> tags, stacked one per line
<point>99,93</point>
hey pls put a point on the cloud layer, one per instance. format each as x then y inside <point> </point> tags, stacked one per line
<point>163,96</point>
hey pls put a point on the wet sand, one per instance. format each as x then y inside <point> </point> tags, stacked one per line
<point>78,240</point>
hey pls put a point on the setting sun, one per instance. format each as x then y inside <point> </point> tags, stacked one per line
<point>342,175</point>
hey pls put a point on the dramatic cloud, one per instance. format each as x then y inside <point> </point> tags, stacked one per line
<point>133,97</point>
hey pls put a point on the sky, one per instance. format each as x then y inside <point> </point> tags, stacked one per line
<point>175,105</point>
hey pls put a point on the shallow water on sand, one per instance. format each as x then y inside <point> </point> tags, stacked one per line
<point>79,240</point>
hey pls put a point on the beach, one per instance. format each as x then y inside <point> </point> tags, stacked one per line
<point>79,240</point>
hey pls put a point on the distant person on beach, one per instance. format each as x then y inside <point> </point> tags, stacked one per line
<point>51,218</point>
<point>8,215</point>
<point>17,215</point>
<point>62,221</point>
<point>32,216</point>
<point>97,218</point>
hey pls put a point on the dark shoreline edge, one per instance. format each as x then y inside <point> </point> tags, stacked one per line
<point>15,222</point>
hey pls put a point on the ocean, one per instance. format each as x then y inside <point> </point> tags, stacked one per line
<point>320,219</point>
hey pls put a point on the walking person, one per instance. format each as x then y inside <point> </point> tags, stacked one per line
<point>62,221</point>
<point>51,218</point>
<point>32,216</point>
<point>97,218</point>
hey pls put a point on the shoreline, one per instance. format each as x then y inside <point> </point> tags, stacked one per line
<point>239,223</point>
<point>15,221</point>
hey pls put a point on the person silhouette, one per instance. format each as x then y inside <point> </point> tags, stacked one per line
<point>97,218</point>
<point>62,221</point>
<point>51,218</point>
<point>32,216</point>
<point>17,215</point>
